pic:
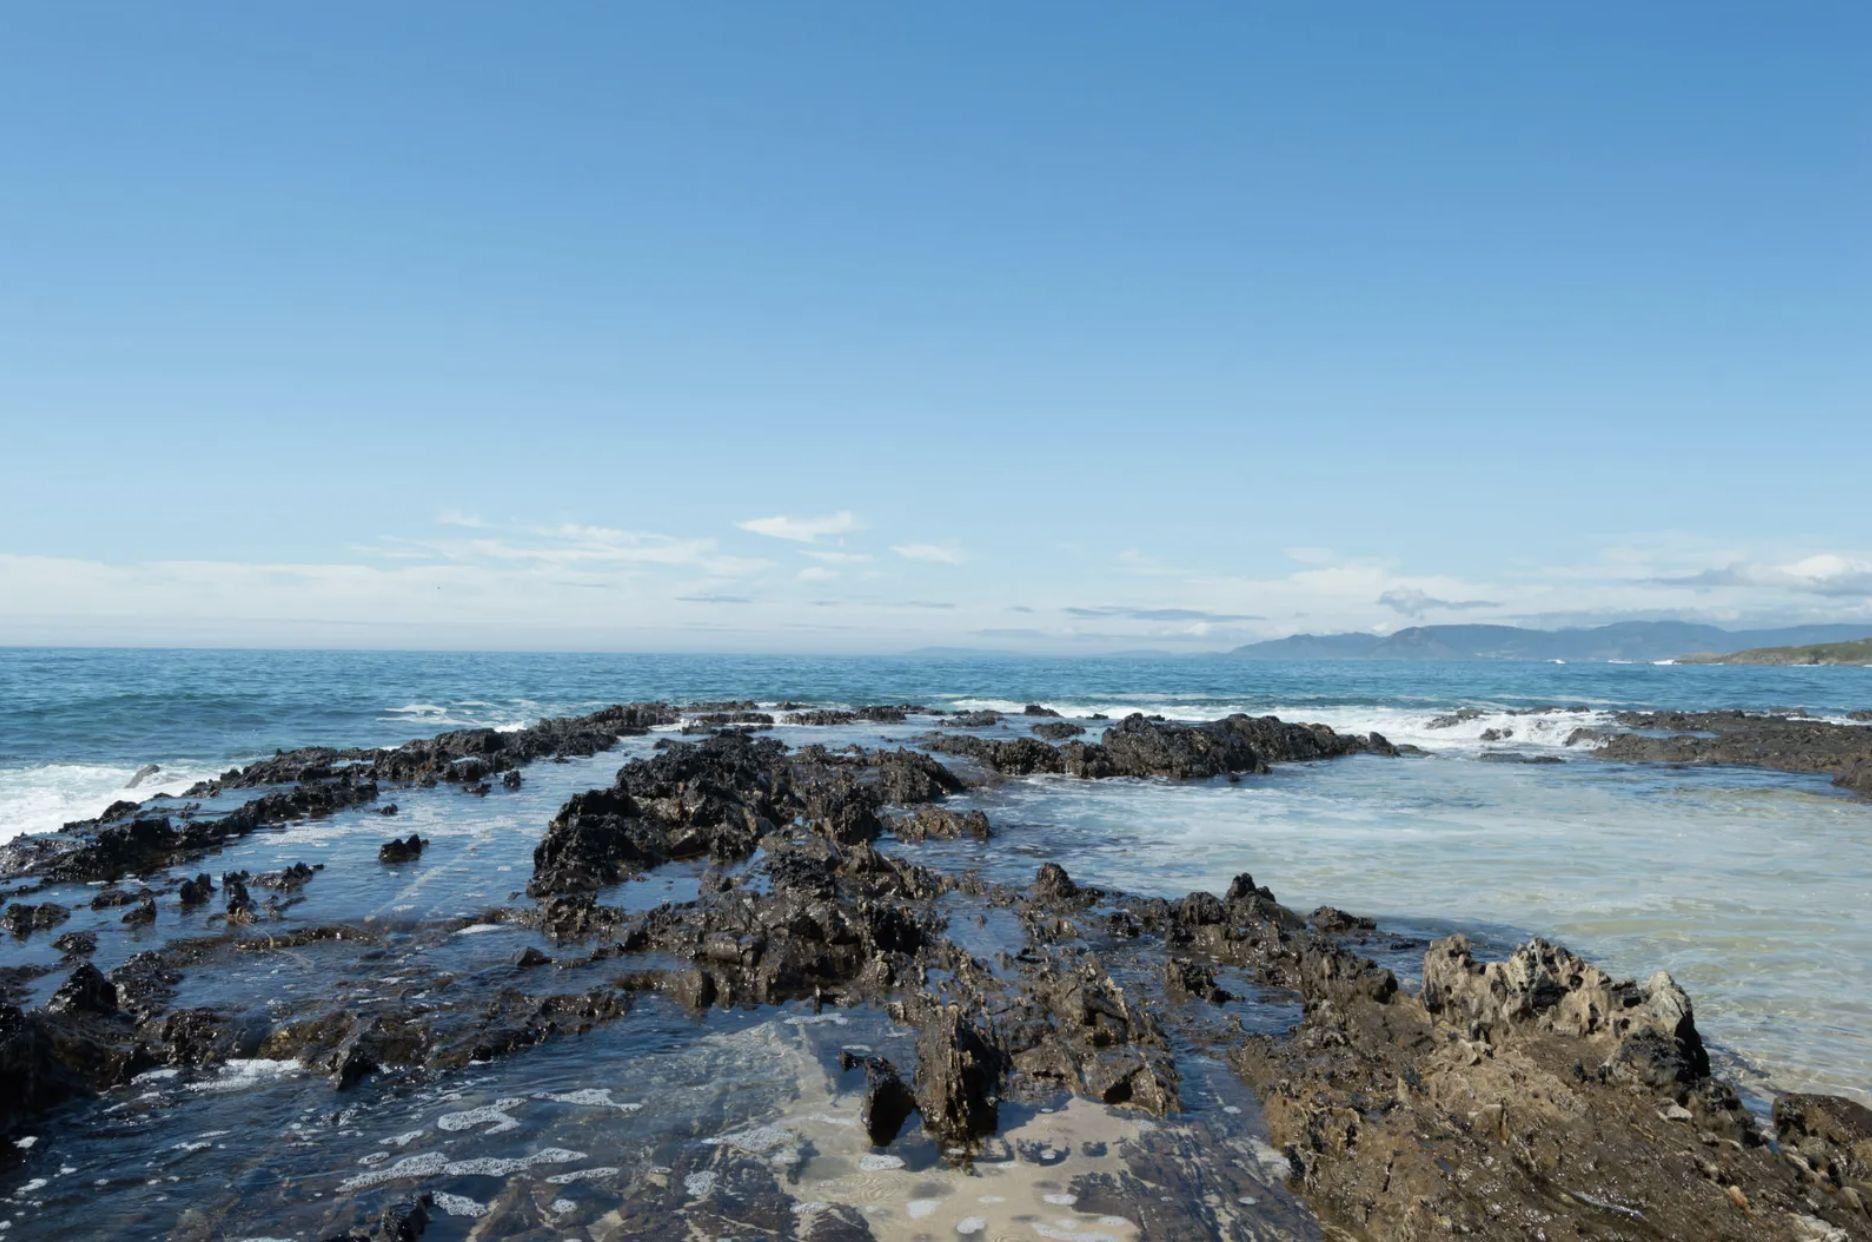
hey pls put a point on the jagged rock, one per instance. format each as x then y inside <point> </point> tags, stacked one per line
<point>1647,1030</point>
<point>1831,1136</point>
<point>197,891</point>
<point>1196,980</point>
<point>1140,746</point>
<point>401,850</point>
<point>973,720</point>
<point>142,914</point>
<point>406,1221</point>
<point>888,1103</point>
<point>87,991</point>
<point>1334,921</point>
<point>1057,730</point>
<point>1743,739</point>
<point>25,919</point>
<point>1052,884</point>
<point>76,943</point>
<point>289,878</point>
<point>142,774</point>
<point>238,903</point>
<point>958,1079</point>
<point>938,823</point>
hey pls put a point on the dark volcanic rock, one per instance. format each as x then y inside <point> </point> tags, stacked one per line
<point>87,991</point>
<point>401,850</point>
<point>1742,739</point>
<point>288,879</point>
<point>101,850</point>
<point>973,720</point>
<point>1831,1140</point>
<point>958,1080</point>
<point>406,1221</point>
<point>1057,730</point>
<point>888,1102</point>
<point>718,799</point>
<point>823,716</point>
<point>939,823</point>
<point>1052,884</point>
<point>1035,709</point>
<point>1535,1096</point>
<point>1460,1112</point>
<point>461,756</point>
<point>76,943</point>
<point>1140,746</point>
<point>24,920</point>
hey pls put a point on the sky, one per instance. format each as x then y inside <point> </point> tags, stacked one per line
<point>859,327</point>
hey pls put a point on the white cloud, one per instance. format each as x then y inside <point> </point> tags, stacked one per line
<point>456,517</point>
<point>837,558</point>
<point>1826,573</point>
<point>935,553</point>
<point>802,529</point>
<point>576,546</point>
<point>816,573</point>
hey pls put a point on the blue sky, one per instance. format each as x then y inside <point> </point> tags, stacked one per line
<point>862,327</point>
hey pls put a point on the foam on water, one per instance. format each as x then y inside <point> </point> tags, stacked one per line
<point>45,797</point>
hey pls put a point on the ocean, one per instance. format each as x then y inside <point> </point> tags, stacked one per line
<point>1750,887</point>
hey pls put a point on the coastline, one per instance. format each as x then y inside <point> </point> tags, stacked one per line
<point>848,799</point>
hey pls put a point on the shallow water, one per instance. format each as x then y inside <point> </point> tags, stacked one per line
<point>1748,886</point>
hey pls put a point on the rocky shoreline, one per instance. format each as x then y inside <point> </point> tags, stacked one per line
<point>1533,1096</point>
<point>1782,743</point>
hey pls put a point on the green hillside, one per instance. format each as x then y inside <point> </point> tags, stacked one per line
<point>1858,651</point>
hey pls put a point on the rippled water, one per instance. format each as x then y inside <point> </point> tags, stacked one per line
<point>1750,887</point>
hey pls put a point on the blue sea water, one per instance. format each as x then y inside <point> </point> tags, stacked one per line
<point>128,707</point>
<point>1749,886</point>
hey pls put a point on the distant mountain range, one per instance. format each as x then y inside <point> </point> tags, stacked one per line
<point>1625,640</point>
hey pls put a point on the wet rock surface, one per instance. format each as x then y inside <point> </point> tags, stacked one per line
<point>1740,739</point>
<point>1139,746</point>
<point>1530,1096</point>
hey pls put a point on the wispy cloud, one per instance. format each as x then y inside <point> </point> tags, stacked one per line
<point>934,553</point>
<point>802,529</point>
<point>1826,574</point>
<point>1161,614</point>
<point>1414,603</point>
<point>574,546</point>
<point>816,573</point>
<point>457,517</point>
<point>837,558</point>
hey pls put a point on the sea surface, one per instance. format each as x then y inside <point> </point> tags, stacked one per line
<point>1750,887</point>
